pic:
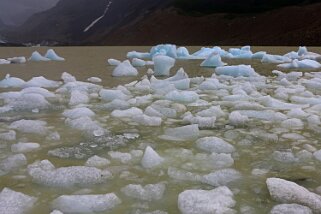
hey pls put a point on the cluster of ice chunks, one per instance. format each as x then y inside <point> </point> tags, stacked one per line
<point>13,60</point>
<point>49,56</point>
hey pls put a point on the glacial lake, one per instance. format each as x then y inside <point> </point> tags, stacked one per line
<point>261,148</point>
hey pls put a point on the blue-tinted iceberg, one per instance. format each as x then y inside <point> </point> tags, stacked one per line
<point>214,60</point>
<point>163,65</point>
<point>51,54</point>
<point>236,71</point>
<point>37,57</point>
<point>125,69</point>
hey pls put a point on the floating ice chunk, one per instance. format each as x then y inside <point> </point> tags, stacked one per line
<point>96,161</point>
<point>125,69</point>
<point>13,82</point>
<point>8,136</point>
<point>113,62</point>
<point>78,112</point>
<point>151,159</point>
<point>29,101</point>
<point>306,63</point>
<point>277,104</point>
<point>42,82</point>
<point>259,55</point>
<point>12,162</point>
<point>219,200</point>
<point>86,203</point>
<point>140,55</point>
<point>182,52</point>
<point>276,59</point>
<point>236,71</point>
<point>203,122</point>
<point>66,77</point>
<point>241,53</point>
<point>129,113</point>
<point>86,124</point>
<point>264,115</point>
<point>214,144</point>
<point>212,84</point>
<point>317,155</point>
<point>30,126</point>
<point>12,202</point>
<point>56,212</point>
<point>138,62</point>
<point>237,119</point>
<point>150,192</point>
<point>293,123</point>
<point>17,60</point>
<point>4,62</point>
<point>183,133</point>
<point>124,158</point>
<point>24,147</point>
<point>94,80</point>
<point>164,49</point>
<point>78,97</point>
<point>290,209</point>
<point>289,192</point>
<point>221,177</point>
<point>302,50</point>
<point>117,104</point>
<point>146,120</point>
<point>182,96</point>
<point>297,113</point>
<point>45,173</point>
<point>36,56</point>
<point>182,175</point>
<point>284,156</point>
<point>180,75</point>
<point>110,95</point>
<point>213,60</point>
<point>37,90</point>
<point>51,54</point>
<point>163,65</point>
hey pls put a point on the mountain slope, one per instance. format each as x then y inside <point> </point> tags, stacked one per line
<point>147,22</point>
<point>16,12</point>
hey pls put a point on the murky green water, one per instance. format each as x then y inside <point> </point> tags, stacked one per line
<point>85,62</point>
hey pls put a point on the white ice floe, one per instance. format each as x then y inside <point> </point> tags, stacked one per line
<point>86,203</point>
<point>8,136</point>
<point>151,159</point>
<point>42,82</point>
<point>149,192</point>
<point>182,96</point>
<point>213,60</point>
<point>237,119</point>
<point>37,57</point>
<point>138,62</point>
<point>112,94</point>
<point>165,50</point>
<point>146,120</point>
<point>94,80</point>
<point>51,54</point>
<point>289,192</point>
<point>163,65</point>
<point>236,71</point>
<point>214,144</point>
<point>66,77</point>
<point>122,157</point>
<point>128,113</point>
<point>24,147</point>
<point>221,177</point>
<point>203,122</point>
<point>96,161</point>
<point>45,173</point>
<point>125,69</point>
<point>78,112</point>
<point>4,62</point>
<point>12,162</point>
<point>183,133</point>
<point>113,62</point>
<point>30,126</point>
<point>219,200</point>
<point>276,59</point>
<point>87,125</point>
<point>241,53</point>
<point>306,63</point>
<point>12,202</point>
<point>290,209</point>
<point>11,82</point>
<point>17,60</point>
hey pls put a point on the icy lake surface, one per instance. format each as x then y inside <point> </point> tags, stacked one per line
<point>196,143</point>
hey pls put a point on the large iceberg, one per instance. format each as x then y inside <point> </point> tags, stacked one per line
<point>165,50</point>
<point>37,57</point>
<point>305,63</point>
<point>51,54</point>
<point>236,71</point>
<point>214,60</point>
<point>163,65</point>
<point>125,69</point>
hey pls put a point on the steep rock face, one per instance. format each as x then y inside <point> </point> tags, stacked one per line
<point>16,12</point>
<point>147,22</point>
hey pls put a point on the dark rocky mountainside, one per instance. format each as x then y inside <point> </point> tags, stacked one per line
<point>185,22</point>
